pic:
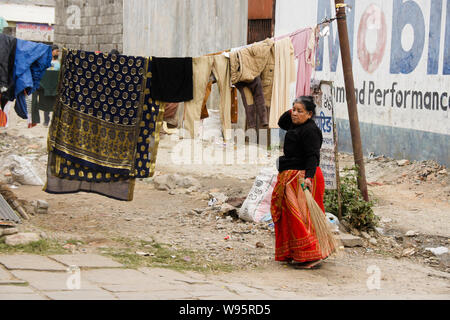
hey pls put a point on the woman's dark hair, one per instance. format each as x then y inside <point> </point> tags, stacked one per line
<point>308,102</point>
<point>114,51</point>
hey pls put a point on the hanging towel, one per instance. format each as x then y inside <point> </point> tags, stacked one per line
<point>172,79</point>
<point>283,77</point>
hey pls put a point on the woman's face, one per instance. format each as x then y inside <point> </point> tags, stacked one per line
<point>299,114</point>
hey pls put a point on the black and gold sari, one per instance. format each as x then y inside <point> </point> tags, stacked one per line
<point>105,129</point>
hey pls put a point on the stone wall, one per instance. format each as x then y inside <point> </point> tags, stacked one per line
<point>100,26</point>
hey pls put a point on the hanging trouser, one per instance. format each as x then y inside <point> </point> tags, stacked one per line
<point>255,105</point>
<point>202,68</point>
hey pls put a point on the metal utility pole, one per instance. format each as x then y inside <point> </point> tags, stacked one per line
<point>351,97</point>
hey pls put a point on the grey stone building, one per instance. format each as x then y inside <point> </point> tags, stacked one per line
<point>91,25</point>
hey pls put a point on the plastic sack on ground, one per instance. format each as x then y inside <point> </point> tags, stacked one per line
<point>211,127</point>
<point>22,171</point>
<point>256,207</point>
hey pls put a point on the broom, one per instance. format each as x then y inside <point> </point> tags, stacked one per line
<point>327,241</point>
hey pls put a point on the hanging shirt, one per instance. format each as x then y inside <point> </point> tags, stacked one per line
<point>31,61</point>
<point>305,56</point>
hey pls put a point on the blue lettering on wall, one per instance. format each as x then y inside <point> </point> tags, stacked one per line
<point>435,36</point>
<point>447,42</point>
<point>324,11</point>
<point>405,13</point>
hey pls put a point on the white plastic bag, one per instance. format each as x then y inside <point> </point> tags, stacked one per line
<point>256,207</point>
<point>22,171</point>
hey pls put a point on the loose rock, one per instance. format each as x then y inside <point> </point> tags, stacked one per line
<point>349,240</point>
<point>408,252</point>
<point>411,233</point>
<point>220,197</point>
<point>437,251</point>
<point>260,245</point>
<point>21,239</point>
<point>165,182</point>
<point>365,235</point>
<point>403,162</point>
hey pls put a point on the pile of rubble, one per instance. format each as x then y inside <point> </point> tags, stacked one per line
<point>386,170</point>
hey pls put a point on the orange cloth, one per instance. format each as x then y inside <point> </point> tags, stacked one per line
<point>205,113</point>
<point>295,237</point>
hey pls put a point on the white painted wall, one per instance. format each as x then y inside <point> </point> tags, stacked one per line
<point>422,23</point>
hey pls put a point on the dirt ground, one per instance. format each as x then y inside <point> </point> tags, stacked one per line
<point>414,196</point>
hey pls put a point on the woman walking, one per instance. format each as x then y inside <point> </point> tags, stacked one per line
<point>295,232</point>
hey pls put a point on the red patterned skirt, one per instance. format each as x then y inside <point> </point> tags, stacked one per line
<point>295,237</point>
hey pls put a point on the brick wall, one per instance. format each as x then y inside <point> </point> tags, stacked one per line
<point>101,25</point>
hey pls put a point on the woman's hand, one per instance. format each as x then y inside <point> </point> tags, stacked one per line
<point>308,183</point>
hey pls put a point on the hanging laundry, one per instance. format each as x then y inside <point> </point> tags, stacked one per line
<point>284,75</point>
<point>105,128</point>
<point>170,114</point>
<point>7,58</point>
<point>254,103</point>
<point>31,61</point>
<point>205,113</point>
<point>248,63</point>
<point>172,79</point>
<point>303,42</point>
<point>202,68</point>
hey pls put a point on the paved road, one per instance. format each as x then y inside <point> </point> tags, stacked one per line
<point>34,277</point>
<point>95,277</point>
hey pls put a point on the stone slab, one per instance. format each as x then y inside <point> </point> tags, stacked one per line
<point>15,289</point>
<point>4,275</point>
<point>157,295</point>
<point>115,276</point>
<point>207,288</point>
<point>30,262</point>
<point>80,295</point>
<point>146,286</point>
<point>240,289</point>
<point>349,240</point>
<point>284,295</point>
<point>217,296</point>
<point>21,296</point>
<point>86,261</point>
<point>161,273</point>
<point>51,281</point>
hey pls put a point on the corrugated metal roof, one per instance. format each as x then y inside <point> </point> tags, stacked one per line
<point>24,13</point>
<point>7,214</point>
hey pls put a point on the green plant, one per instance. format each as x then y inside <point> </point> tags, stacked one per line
<point>355,210</point>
